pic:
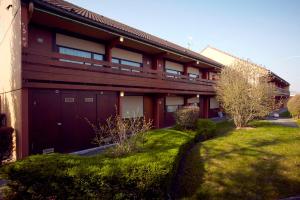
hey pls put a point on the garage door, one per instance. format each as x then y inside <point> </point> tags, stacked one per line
<point>57,119</point>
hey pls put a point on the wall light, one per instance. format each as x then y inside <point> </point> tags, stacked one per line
<point>197,62</point>
<point>121,39</point>
<point>198,96</point>
<point>121,94</point>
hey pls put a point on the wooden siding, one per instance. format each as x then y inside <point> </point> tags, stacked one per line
<point>47,67</point>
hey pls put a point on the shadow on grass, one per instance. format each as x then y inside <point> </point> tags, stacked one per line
<point>192,171</point>
<point>262,179</point>
<point>247,170</point>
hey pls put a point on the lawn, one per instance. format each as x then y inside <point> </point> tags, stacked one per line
<point>258,163</point>
<point>147,172</point>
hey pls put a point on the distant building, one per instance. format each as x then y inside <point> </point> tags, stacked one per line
<point>224,58</point>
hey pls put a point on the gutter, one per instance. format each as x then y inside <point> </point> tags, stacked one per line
<point>46,8</point>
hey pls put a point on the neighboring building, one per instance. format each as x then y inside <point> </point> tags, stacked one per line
<point>61,63</point>
<point>226,59</point>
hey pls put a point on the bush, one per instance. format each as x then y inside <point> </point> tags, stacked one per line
<point>6,143</point>
<point>186,117</point>
<point>206,128</point>
<point>147,174</point>
<point>286,114</point>
<point>127,134</point>
<point>294,106</point>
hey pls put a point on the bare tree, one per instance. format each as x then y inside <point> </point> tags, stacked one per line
<point>126,134</point>
<point>244,92</point>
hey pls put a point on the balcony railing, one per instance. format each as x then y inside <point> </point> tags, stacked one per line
<point>78,63</point>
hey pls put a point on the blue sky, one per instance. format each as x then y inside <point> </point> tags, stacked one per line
<point>267,32</point>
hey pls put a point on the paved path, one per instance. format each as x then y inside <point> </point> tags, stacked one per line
<point>289,122</point>
<point>2,184</point>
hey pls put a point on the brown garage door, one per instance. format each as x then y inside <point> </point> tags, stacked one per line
<point>44,121</point>
<point>58,118</point>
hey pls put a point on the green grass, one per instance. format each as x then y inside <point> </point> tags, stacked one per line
<point>259,163</point>
<point>146,172</point>
<point>298,122</point>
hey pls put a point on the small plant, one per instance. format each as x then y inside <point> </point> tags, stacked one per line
<point>6,143</point>
<point>206,128</point>
<point>186,117</point>
<point>127,134</point>
<point>294,106</point>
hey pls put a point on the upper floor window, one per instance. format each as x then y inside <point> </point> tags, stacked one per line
<point>213,76</point>
<point>126,62</point>
<point>194,75</point>
<point>79,53</point>
<point>172,71</point>
<point>173,68</point>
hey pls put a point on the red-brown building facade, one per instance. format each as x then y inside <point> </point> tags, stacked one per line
<point>64,63</point>
<point>61,63</point>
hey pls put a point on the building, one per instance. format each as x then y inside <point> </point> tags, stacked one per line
<point>61,63</point>
<point>281,86</point>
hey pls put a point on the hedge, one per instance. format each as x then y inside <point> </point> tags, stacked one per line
<point>147,174</point>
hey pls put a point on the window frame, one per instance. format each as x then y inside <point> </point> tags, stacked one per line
<point>78,62</point>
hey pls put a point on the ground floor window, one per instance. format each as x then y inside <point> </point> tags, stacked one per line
<point>132,106</point>
<point>174,103</point>
<point>213,104</point>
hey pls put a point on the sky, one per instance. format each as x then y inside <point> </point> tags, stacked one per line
<point>265,31</point>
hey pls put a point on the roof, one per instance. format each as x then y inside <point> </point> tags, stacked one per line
<point>84,14</point>
<point>228,54</point>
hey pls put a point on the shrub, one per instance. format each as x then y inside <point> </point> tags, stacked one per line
<point>144,175</point>
<point>6,143</point>
<point>125,133</point>
<point>186,117</point>
<point>206,128</point>
<point>286,114</point>
<point>294,106</point>
<point>244,92</point>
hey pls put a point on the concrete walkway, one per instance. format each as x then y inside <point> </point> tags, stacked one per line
<point>289,122</point>
<point>2,184</point>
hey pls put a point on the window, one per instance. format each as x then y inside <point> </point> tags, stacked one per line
<point>74,52</point>
<point>98,56</point>
<point>193,75</point>
<point>173,108</point>
<point>130,63</point>
<point>126,62</point>
<point>132,106</point>
<point>213,104</point>
<point>174,103</point>
<point>172,71</point>
<point>173,68</point>
<point>79,53</point>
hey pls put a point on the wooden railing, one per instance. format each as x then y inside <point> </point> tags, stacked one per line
<point>78,63</point>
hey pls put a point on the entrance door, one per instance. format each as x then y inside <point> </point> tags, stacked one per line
<point>148,107</point>
<point>69,117</point>
<point>87,110</point>
<point>106,106</point>
<point>77,108</point>
<point>44,124</point>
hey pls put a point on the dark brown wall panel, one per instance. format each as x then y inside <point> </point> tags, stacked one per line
<point>40,39</point>
<point>106,106</point>
<point>148,107</point>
